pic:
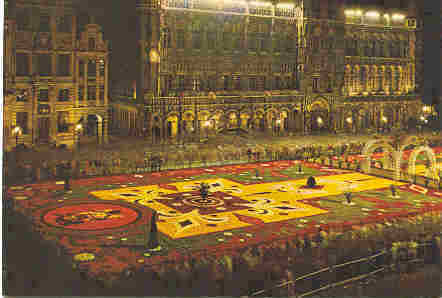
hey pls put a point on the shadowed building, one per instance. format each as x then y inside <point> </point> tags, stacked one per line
<point>56,78</point>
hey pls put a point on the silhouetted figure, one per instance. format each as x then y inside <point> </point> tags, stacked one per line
<point>348,197</point>
<point>67,175</point>
<point>204,190</point>
<point>311,182</point>
<point>300,168</point>
<point>153,235</point>
<point>393,190</point>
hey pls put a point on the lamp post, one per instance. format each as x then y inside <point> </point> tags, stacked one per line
<point>78,129</point>
<point>17,131</point>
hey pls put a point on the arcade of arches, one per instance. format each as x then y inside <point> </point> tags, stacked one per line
<point>318,117</point>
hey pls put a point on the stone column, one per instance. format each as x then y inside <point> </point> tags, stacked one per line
<point>97,83</point>
<point>106,82</point>
<point>85,99</point>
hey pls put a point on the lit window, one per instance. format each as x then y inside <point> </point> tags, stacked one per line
<point>315,84</point>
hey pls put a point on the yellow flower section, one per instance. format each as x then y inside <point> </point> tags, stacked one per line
<point>265,203</point>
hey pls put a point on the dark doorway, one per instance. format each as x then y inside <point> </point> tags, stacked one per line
<point>43,130</point>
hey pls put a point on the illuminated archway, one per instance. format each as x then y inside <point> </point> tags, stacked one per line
<point>431,157</point>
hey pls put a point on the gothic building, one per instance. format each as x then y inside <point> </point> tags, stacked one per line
<point>55,75</point>
<point>276,67</point>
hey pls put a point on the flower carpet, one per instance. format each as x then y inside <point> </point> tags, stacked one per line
<point>103,224</point>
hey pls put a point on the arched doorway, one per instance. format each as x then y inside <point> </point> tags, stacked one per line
<point>93,127</point>
<point>429,168</point>
<point>319,116</point>
<point>172,126</point>
<point>381,151</point>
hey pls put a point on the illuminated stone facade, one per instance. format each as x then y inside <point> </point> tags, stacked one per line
<point>55,77</point>
<point>207,67</point>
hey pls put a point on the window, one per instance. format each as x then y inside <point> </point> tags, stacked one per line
<point>62,122</point>
<point>277,85</point>
<point>64,65</point>
<point>181,83</point>
<point>237,43</point>
<point>22,121</point>
<point>180,39</point>
<point>91,43</point>
<point>212,83</point>
<point>252,83</point>
<point>91,69</point>
<point>196,37</point>
<point>315,84</point>
<point>238,83</point>
<point>226,81</point>
<point>80,93</point>
<point>22,64</point>
<point>91,93</point>
<point>64,24</point>
<point>45,22</point>
<point>211,40</point>
<point>44,65</point>
<point>289,44</point>
<point>22,95</point>
<point>252,42</point>
<point>81,68</point>
<point>63,95</point>
<point>226,40</point>
<point>43,95</point>
<point>23,18</point>
<point>196,84</point>
<point>316,8</point>
<point>101,67</point>
<point>101,94</point>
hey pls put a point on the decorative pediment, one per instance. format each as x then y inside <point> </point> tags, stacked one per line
<point>92,39</point>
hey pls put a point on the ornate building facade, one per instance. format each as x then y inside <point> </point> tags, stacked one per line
<point>55,76</point>
<point>293,66</point>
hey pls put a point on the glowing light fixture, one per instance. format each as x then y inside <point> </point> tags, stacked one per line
<point>319,120</point>
<point>349,120</point>
<point>372,14</point>
<point>387,16</point>
<point>384,119</point>
<point>285,5</point>
<point>259,3</point>
<point>426,109</point>
<point>358,12</point>
<point>422,118</point>
<point>349,12</point>
<point>78,126</point>
<point>398,17</point>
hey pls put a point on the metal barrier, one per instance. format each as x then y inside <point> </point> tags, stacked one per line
<point>397,261</point>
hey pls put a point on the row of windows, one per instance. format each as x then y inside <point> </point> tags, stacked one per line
<point>62,121</point>
<point>395,49</point>
<point>255,8</point>
<point>256,41</point>
<point>24,21</point>
<point>63,94</point>
<point>182,83</point>
<point>44,65</point>
<point>246,68</point>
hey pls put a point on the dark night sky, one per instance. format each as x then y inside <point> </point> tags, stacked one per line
<point>118,19</point>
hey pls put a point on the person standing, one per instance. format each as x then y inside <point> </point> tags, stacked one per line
<point>66,170</point>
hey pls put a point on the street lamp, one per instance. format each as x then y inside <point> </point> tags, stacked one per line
<point>78,129</point>
<point>17,131</point>
<point>206,125</point>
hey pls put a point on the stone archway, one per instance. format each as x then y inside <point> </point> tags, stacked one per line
<point>172,126</point>
<point>369,149</point>
<point>431,156</point>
